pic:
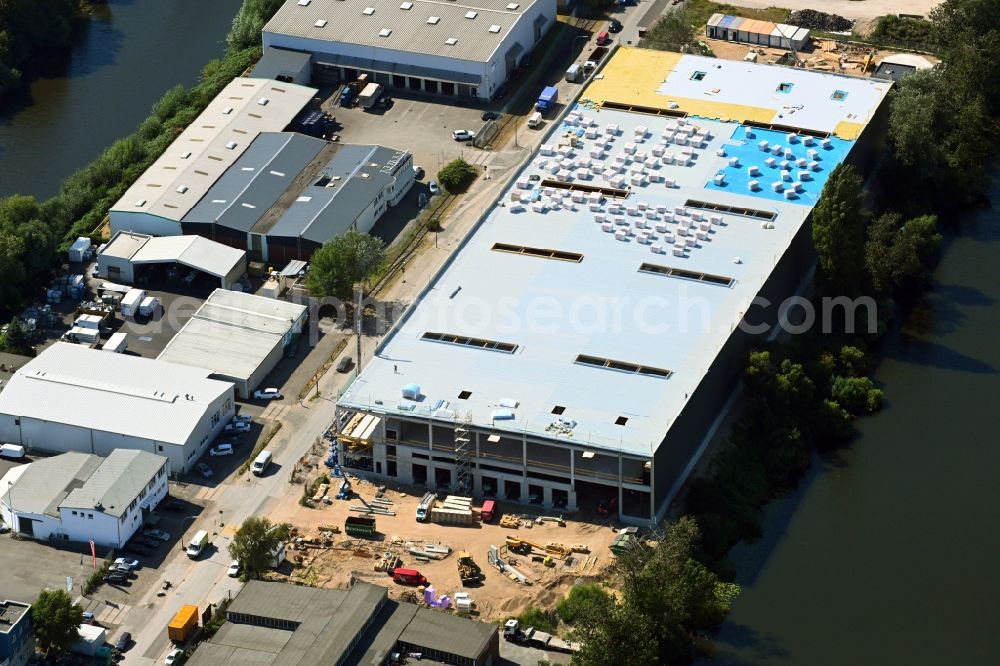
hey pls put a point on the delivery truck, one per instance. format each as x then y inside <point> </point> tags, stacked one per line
<point>574,73</point>
<point>149,306</point>
<point>117,343</point>
<point>369,96</point>
<point>488,512</point>
<point>131,302</point>
<point>183,624</point>
<point>13,451</point>
<point>197,544</point>
<point>408,577</point>
<point>547,100</point>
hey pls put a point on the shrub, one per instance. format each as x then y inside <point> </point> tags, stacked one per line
<point>543,620</point>
<point>457,175</point>
<point>569,608</point>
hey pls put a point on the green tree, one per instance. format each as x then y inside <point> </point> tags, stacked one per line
<point>346,259</point>
<point>457,175</point>
<point>253,544</point>
<point>838,229</point>
<point>667,597</point>
<point>898,254</point>
<point>857,395</point>
<point>579,595</point>
<point>670,33</point>
<point>17,338</point>
<point>56,620</point>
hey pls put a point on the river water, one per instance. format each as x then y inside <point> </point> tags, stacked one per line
<point>123,62</point>
<point>888,554</point>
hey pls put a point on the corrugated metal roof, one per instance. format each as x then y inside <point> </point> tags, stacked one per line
<point>232,333</point>
<point>125,244</point>
<point>45,483</point>
<point>453,635</point>
<point>191,251</point>
<point>178,179</point>
<point>254,183</point>
<point>116,482</point>
<point>88,388</point>
<point>276,62</point>
<point>347,22</point>
<point>714,19</point>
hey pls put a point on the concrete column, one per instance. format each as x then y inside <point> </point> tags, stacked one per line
<point>620,492</point>
<point>547,497</point>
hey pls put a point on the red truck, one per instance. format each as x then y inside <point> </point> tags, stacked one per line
<point>408,577</point>
<point>488,510</point>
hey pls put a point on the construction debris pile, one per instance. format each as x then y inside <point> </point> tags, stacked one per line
<point>810,18</point>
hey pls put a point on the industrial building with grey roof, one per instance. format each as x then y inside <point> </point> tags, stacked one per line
<point>80,496</point>
<point>288,194</point>
<point>278,623</point>
<point>466,48</point>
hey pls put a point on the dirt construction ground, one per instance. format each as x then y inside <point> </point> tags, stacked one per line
<point>861,10</point>
<point>496,597</point>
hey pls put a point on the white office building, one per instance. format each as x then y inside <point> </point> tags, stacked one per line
<point>82,497</point>
<point>467,48</point>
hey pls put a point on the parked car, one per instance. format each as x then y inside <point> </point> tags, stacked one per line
<point>234,569</point>
<point>242,418</point>
<point>345,364</point>
<point>418,172</point>
<point>500,93</point>
<point>489,115</point>
<point>603,38</point>
<point>205,470</point>
<point>147,542</point>
<point>126,564</point>
<point>462,135</point>
<point>155,533</point>
<point>237,427</point>
<point>117,578</point>
<point>421,200</point>
<point>175,657</point>
<point>124,642</point>
<point>268,394</point>
<point>433,187</point>
<point>137,549</point>
<point>221,450</point>
<point>615,26</point>
<point>173,506</point>
<point>89,618</point>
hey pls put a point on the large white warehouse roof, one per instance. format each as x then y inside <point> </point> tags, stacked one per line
<point>466,29</point>
<point>115,393</point>
<point>176,181</point>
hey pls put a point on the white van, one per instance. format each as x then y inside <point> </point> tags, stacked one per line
<point>261,462</point>
<point>197,544</point>
<point>535,120</point>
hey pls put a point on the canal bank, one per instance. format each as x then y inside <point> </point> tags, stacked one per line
<point>120,65</point>
<point>886,552</point>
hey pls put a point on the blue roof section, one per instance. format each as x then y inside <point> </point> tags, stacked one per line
<point>255,182</point>
<point>728,21</point>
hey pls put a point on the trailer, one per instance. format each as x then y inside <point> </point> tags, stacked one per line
<point>547,100</point>
<point>445,516</point>
<point>149,306</point>
<point>359,526</point>
<point>131,301</point>
<point>183,624</point>
<point>595,57</point>
<point>369,96</point>
<point>574,73</point>
<point>117,343</point>
<point>15,451</point>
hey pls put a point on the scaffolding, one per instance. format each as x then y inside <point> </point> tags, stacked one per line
<point>463,457</point>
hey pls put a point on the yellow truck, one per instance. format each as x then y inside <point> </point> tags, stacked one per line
<point>183,624</point>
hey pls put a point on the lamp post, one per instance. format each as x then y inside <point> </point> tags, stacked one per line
<point>10,505</point>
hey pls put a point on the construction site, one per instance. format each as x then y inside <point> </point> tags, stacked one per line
<point>479,560</point>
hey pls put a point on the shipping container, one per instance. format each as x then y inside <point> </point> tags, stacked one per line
<point>359,526</point>
<point>183,624</point>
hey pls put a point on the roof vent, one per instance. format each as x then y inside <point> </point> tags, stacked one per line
<point>433,20</point>
<point>186,154</point>
<point>320,23</point>
<point>451,41</point>
<point>368,11</point>
<point>512,6</point>
<point>231,145</point>
<point>494,28</point>
<point>182,189</point>
<point>304,3</point>
<point>98,507</point>
<point>471,15</point>
<point>140,203</point>
<point>263,101</point>
<point>384,32</point>
<point>406,6</point>
<point>226,111</point>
